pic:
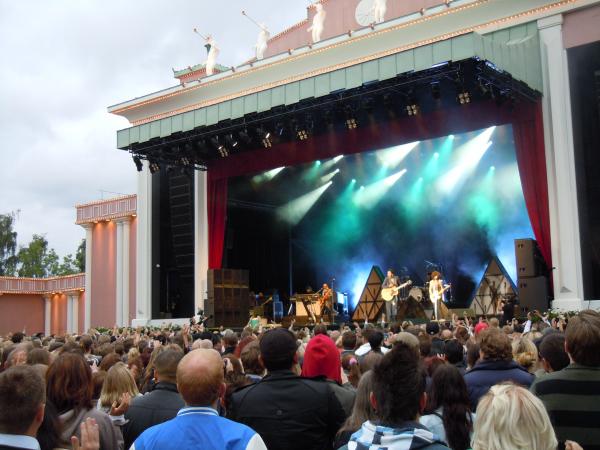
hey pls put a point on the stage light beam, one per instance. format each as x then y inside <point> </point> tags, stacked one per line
<point>267,176</point>
<point>369,196</point>
<point>294,211</point>
<point>328,177</point>
<point>393,156</point>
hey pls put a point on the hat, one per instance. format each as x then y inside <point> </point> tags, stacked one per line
<point>480,327</point>
<point>322,359</point>
<point>278,345</point>
<point>432,328</point>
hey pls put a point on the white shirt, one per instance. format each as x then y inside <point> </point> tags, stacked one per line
<point>366,348</point>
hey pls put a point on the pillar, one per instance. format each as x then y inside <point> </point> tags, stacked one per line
<point>73,313</point>
<point>89,231</point>
<point>200,239</point>
<point>560,163</point>
<point>47,315</point>
<point>125,271</point>
<point>143,275</point>
<point>119,275</point>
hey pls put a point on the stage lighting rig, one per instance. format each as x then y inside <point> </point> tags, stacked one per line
<point>265,137</point>
<point>350,122</point>
<point>464,97</point>
<point>138,163</point>
<point>153,166</point>
<point>230,141</point>
<point>436,93</point>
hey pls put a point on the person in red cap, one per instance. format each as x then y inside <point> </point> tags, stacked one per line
<point>322,360</point>
<point>480,327</point>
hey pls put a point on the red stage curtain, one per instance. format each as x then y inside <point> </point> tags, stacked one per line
<point>217,217</point>
<point>528,132</point>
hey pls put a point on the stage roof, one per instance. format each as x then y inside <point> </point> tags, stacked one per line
<point>514,50</point>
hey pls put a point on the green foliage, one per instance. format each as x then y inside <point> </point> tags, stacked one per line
<point>32,259</point>
<point>8,245</point>
<point>80,257</point>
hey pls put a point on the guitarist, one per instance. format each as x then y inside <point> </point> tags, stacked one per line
<point>390,281</point>
<point>436,291</point>
<point>325,301</point>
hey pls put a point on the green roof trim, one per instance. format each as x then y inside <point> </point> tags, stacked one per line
<point>515,50</point>
<point>187,70</point>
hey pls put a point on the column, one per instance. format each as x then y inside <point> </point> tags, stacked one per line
<point>125,270</point>
<point>143,274</point>
<point>119,275</point>
<point>69,314</point>
<point>89,229</point>
<point>560,163</point>
<point>47,315</point>
<point>75,313</point>
<point>200,239</point>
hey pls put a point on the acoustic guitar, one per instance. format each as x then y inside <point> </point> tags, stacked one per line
<point>389,293</point>
<point>438,294</point>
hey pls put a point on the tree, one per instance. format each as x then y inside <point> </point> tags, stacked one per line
<point>32,258</point>
<point>51,263</point>
<point>67,267</point>
<point>80,257</point>
<point>8,245</point>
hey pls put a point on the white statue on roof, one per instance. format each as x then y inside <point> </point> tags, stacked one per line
<point>262,41</point>
<point>318,23</point>
<point>379,10</point>
<point>213,53</point>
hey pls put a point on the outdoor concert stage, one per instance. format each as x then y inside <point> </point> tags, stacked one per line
<point>429,141</point>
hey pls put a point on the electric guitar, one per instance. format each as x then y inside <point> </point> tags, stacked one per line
<point>435,296</point>
<point>389,293</point>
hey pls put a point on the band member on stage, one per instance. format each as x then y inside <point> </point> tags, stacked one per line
<point>390,281</point>
<point>325,300</point>
<point>436,291</point>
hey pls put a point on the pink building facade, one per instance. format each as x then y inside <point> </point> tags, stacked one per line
<point>104,296</point>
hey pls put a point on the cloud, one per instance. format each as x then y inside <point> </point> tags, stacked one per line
<point>64,62</point>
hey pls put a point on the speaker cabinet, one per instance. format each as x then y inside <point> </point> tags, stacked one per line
<point>533,293</point>
<point>228,297</point>
<point>530,262</point>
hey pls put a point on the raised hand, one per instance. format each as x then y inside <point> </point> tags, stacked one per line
<point>90,437</point>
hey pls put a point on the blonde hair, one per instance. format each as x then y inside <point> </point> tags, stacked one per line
<point>511,417</point>
<point>525,353</point>
<point>118,381</point>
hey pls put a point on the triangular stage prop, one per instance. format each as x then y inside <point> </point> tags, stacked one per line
<point>494,288</point>
<point>370,303</point>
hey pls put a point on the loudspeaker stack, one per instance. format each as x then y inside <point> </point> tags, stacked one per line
<point>532,276</point>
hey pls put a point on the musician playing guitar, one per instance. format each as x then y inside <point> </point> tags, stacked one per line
<point>325,297</point>
<point>390,281</point>
<point>436,291</point>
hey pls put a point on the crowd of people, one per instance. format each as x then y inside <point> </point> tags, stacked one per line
<point>461,384</point>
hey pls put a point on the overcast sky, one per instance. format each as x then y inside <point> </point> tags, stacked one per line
<point>64,62</point>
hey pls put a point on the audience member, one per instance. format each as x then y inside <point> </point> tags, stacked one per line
<point>525,353</point>
<point>454,354</point>
<point>572,395</point>
<point>510,417</point>
<point>450,416</point>
<point>398,397</point>
<point>361,411</point>
<point>348,342</point>
<point>69,387</point>
<point>552,352</point>
<point>200,381</point>
<point>161,404</point>
<point>119,387</point>
<point>22,401</point>
<point>322,360</point>
<point>289,412</point>
<point>494,366</point>
<point>251,361</point>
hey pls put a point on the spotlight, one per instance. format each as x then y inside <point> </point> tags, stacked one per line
<point>185,161</point>
<point>153,166</point>
<point>280,128</point>
<point>412,107</point>
<point>265,137</point>
<point>351,123</point>
<point>464,97</point>
<point>435,90</point>
<point>230,141</point>
<point>138,163</point>
<point>301,134</point>
<point>223,151</point>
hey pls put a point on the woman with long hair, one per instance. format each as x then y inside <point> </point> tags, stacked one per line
<point>69,387</point>
<point>118,382</point>
<point>361,411</point>
<point>450,416</point>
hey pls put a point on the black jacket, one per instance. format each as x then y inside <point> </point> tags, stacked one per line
<point>289,412</point>
<point>151,409</point>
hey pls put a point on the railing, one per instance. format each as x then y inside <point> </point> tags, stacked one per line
<point>16,285</point>
<point>113,208</point>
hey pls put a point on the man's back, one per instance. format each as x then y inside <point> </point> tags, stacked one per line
<point>289,412</point>
<point>199,428</point>
<point>572,398</point>
<point>156,407</point>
